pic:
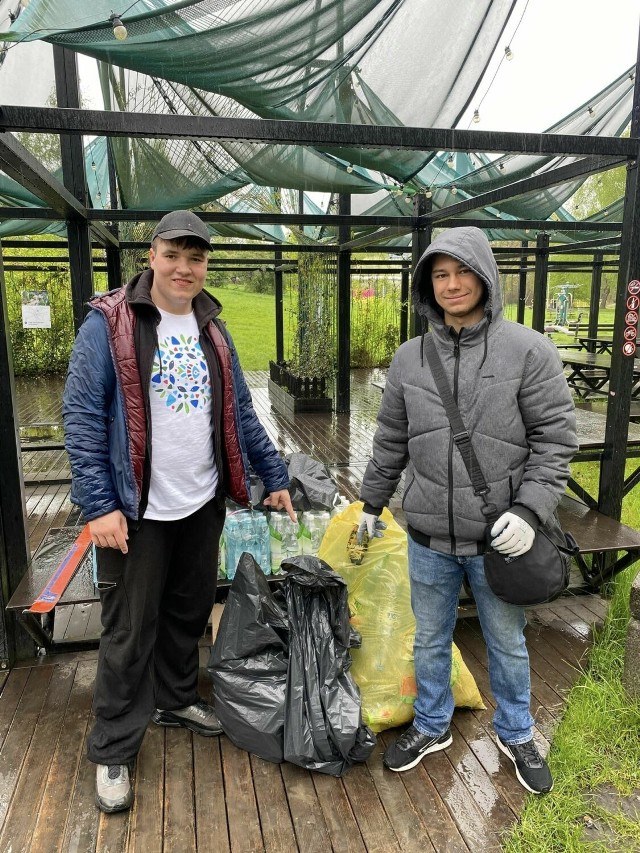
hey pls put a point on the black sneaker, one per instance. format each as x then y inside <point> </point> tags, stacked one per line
<point>411,747</point>
<point>531,769</point>
<point>199,717</point>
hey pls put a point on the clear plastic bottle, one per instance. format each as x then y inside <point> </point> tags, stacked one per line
<point>232,554</point>
<point>263,556</point>
<point>276,534</point>
<point>290,547</point>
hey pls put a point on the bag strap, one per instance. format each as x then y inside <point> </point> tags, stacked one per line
<point>461,435</point>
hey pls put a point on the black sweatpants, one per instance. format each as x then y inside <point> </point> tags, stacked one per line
<point>155,601</point>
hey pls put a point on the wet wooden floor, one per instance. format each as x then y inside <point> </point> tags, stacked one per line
<point>204,794</point>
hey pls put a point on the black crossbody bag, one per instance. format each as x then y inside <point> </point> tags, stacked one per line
<point>542,573</point>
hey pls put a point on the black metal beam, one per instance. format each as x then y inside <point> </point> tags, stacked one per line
<point>343,386</point>
<point>420,239</point>
<point>540,282</point>
<point>253,218</point>
<point>550,178</point>
<point>522,285</point>
<point>319,134</point>
<point>14,549</point>
<point>612,467</point>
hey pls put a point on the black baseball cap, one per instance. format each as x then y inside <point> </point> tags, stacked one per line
<point>182,223</point>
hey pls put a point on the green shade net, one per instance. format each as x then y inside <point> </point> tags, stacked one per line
<point>350,61</point>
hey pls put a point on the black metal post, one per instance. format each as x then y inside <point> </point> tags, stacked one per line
<point>594,300</point>
<point>404,304</point>
<point>522,285</point>
<point>625,325</point>
<point>343,391</point>
<point>540,282</point>
<point>74,179</point>
<point>278,279</point>
<point>14,548</point>
<point>420,239</point>
<point>114,258</point>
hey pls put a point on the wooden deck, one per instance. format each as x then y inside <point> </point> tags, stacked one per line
<point>204,794</point>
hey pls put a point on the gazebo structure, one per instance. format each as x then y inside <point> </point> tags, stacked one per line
<point>241,110</point>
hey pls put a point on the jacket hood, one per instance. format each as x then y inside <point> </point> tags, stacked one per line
<point>470,246</point>
<point>138,293</point>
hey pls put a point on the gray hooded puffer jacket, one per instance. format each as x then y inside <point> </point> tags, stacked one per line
<point>513,397</point>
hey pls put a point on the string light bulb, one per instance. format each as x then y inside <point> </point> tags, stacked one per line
<point>428,194</point>
<point>349,168</point>
<point>476,116</point>
<point>93,165</point>
<point>454,190</point>
<point>450,161</point>
<point>591,111</point>
<point>119,29</point>
<point>508,53</point>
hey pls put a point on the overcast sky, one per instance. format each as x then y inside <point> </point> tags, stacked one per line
<point>564,52</point>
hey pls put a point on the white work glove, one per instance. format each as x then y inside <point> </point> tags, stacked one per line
<point>512,535</point>
<point>372,524</point>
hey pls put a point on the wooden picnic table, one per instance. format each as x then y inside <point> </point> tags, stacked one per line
<point>589,372</point>
<point>596,344</point>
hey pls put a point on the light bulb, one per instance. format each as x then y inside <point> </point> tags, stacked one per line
<point>93,165</point>
<point>119,29</point>
<point>476,116</point>
<point>450,161</point>
<point>454,190</point>
<point>508,53</point>
<point>349,168</point>
<point>591,111</point>
<point>428,194</point>
<point>409,200</point>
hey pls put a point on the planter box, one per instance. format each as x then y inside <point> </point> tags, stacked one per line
<point>287,404</point>
<point>290,394</point>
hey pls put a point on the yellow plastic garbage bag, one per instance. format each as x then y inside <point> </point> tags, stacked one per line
<point>380,606</point>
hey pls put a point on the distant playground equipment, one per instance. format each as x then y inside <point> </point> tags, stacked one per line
<point>562,302</point>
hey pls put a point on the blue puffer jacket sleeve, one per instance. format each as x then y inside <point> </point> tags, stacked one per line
<point>87,400</point>
<point>255,443</point>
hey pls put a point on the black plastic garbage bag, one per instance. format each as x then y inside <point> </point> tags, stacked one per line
<point>280,666</point>
<point>248,664</point>
<point>323,728</point>
<point>311,484</point>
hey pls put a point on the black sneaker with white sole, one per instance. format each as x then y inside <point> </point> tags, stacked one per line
<point>411,747</point>
<point>531,769</point>
<point>199,717</point>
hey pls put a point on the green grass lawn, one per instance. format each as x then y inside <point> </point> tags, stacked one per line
<point>251,319</point>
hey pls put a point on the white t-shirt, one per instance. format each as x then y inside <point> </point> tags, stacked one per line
<point>183,472</point>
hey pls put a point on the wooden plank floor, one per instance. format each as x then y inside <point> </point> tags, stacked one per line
<point>204,794</point>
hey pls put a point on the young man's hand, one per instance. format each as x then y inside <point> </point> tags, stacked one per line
<point>372,524</point>
<point>110,531</point>
<point>281,500</point>
<point>513,536</point>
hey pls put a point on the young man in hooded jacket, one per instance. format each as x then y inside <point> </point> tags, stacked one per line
<point>160,428</point>
<point>509,386</point>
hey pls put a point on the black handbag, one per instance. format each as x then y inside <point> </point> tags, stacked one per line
<point>542,573</point>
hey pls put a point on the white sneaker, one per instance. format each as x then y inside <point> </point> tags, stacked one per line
<point>113,788</point>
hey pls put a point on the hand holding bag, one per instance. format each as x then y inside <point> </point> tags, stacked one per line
<point>535,577</point>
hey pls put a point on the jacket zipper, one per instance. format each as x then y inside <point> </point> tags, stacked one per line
<point>456,366</point>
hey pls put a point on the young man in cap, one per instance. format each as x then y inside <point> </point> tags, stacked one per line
<point>508,383</point>
<point>160,429</point>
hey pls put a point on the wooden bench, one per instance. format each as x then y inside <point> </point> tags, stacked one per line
<point>79,591</point>
<point>613,547</point>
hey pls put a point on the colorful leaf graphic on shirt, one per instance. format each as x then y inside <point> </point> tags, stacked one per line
<point>180,375</point>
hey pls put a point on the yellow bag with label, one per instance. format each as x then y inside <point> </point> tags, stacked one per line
<point>380,606</point>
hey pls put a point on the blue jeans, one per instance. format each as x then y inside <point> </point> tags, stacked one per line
<point>435,586</point>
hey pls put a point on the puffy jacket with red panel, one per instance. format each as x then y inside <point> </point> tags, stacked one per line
<point>106,405</point>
